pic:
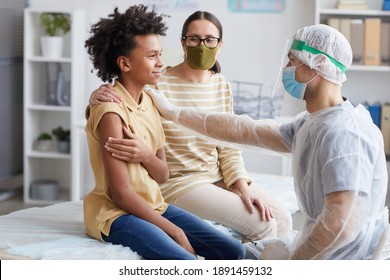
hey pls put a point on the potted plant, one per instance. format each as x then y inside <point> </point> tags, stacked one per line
<point>55,26</point>
<point>44,141</point>
<point>63,138</point>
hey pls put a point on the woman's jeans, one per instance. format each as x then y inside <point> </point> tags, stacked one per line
<point>151,242</point>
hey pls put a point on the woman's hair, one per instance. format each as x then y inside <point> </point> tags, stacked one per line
<point>213,19</point>
<point>115,36</point>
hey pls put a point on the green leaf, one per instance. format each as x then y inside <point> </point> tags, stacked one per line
<point>55,24</point>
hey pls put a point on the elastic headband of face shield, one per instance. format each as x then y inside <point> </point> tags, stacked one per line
<point>301,45</point>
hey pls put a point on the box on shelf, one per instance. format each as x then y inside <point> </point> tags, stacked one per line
<point>352,5</point>
<point>44,190</point>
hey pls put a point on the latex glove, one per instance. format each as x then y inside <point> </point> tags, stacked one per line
<point>167,110</point>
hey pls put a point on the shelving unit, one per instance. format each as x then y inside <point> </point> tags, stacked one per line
<point>365,83</point>
<point>40,116</point>
<point>324,14</point>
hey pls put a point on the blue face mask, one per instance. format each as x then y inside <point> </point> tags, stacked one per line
<point>294,88</point>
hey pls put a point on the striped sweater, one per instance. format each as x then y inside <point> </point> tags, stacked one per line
<point>191,160</point>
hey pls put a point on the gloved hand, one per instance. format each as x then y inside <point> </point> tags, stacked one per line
<point>167,110</point>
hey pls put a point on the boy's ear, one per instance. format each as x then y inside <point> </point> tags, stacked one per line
<point>123,63</point>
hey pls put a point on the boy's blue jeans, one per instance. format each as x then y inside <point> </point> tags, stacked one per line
<point>151,242</point>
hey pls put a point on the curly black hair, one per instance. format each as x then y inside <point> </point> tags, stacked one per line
<point>115,36</point>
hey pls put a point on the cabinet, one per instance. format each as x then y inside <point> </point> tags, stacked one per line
<point>41,114</point>
<point>364,83</point>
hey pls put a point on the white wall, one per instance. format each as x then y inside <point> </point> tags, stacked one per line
<point>253,43</point>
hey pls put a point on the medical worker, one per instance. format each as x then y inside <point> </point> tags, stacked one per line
<point>339,165</point>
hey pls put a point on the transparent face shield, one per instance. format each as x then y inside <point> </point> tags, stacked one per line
<point>277,86</point>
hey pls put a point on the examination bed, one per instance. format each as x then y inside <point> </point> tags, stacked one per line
<point>57,231</point>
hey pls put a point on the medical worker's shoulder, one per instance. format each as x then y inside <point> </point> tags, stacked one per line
<point>296,122</point>
<point>338,132</point>
<point>289,129</point>
<point>334,121</point>
<point>346,118</point>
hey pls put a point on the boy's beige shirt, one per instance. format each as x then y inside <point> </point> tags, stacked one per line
<point>144,121</point>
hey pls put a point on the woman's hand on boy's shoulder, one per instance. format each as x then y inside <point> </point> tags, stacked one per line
<point>104,93</point>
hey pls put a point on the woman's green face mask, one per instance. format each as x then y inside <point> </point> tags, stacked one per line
<point>201,57</point>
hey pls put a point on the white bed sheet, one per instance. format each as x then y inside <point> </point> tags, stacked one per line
<point>57,231</point>
<point>280,187</point>
<point>54,232</point>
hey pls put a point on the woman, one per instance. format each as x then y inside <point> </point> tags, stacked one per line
<point>205,179</point>
<point>126,206</point>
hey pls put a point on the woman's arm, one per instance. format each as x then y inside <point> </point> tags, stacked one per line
<point>121,190</point>
<point>251,201</point>
<point>133,150</point>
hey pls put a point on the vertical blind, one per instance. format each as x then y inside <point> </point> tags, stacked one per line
<point>11,88</point>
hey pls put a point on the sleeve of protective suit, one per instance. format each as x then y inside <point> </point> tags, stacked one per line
<point>230,160</point>
<point>339,224</point>
<point>241,130</point>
